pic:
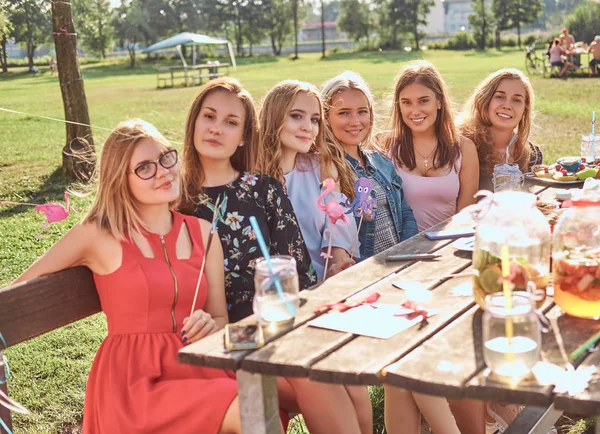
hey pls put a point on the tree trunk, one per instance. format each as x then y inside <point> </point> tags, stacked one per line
<point>519,34</point>
<point>483,26</point>
<point>30,52</point>
<point>4,57</point>
<point>323,26</point>
<point>102,41</point>
<point>295,13</point>
<point>79,158</point>
<point>238,40</point>
<point>131,50</point>
<point>416,34</point>
<point>498,40</point>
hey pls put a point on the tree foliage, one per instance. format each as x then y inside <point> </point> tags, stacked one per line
<point>356,19</point>
<point>31,24</point>
<point>132,25</point>
<point>524,12</point>
<point>94,24</point>
<point>481,21</point>
<point>584,22</point>
<point>5,31</point>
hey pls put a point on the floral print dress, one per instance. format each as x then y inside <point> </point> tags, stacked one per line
<point>263,197</point>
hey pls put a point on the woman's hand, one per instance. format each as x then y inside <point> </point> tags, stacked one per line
<point>340,266</point>
<point>197,326</point>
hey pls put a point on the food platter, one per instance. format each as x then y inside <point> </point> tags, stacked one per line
<point>531,176</point>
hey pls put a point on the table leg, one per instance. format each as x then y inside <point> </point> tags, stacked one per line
<point>259,407</point>
<point>534,420</point>
<point>4,412</point>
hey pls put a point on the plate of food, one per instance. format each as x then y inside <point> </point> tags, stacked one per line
<point>546,208</point>
<point>567,170</point>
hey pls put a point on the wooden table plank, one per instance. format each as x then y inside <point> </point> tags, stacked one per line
<point>210,351</point>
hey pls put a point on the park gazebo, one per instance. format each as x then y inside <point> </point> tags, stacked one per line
<point>190,39</point>
<point>190,74</point>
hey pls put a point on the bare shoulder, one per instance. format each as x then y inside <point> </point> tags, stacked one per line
<point>467,146</point>
<point>205,227</point>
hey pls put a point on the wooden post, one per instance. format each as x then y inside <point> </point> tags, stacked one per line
<point>4,412</point>
<point>259,407</point>
<point>598,425</point>
<point>79,159</point>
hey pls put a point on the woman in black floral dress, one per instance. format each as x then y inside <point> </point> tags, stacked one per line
<point>219,154</point>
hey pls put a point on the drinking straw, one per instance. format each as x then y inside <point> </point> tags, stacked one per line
<point>506,289</point>
<point>593,134</point>
<point>507,153</point>
<point>586,346</point>
<point>267,256</point>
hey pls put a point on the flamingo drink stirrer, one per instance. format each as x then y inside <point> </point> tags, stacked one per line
<point>334,211</point>
<point>54,212</point>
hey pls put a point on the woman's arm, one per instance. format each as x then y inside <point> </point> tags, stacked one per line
<point>469,174</point>
<point>409,223</point>
<point>72,249</point>
<point>285,236</point>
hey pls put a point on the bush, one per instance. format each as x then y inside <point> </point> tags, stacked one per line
<point>530,39</point>
<point>461,41</point>
<point>509,42</point>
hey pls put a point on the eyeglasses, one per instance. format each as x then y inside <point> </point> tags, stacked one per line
<point>148,169</point>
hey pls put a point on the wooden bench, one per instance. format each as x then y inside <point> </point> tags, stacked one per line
<point>32,308</point>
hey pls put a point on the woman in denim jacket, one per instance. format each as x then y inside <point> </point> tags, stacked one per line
<point>349,120</point>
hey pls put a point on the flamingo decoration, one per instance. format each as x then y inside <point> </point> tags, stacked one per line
<point>333,209</point>
<point>54,212</point>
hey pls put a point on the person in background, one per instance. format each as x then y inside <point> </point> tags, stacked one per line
<point>567,41</point>
<point>500,113</point>
<point>219,158</point>
<point>439,169</point>
<point>595,62</point>
<point>556,58</point>
<point>349,117</point>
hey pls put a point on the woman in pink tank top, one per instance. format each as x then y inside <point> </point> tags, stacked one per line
<point>439,169</point>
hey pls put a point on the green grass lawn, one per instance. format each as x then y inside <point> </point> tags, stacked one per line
<point>49,373</point>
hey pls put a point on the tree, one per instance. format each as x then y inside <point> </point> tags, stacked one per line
<point>525,12</point>
<point>391,20</point>
<point>78,154</point>
<point>5,30</point>
<point>31,24</point>
<point>279,23</point>
<point>323,28</point>
<point>130,22</point>
<point>93,18</point>
<point>416,14</point>
<point>355,19</point>
<point>584,21</point>
<point>481,21</point>
<point>502,10</point>
<point>295,14</point>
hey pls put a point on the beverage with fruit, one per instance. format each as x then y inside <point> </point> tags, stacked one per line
<point>514,221</point>
<point>576,259</point>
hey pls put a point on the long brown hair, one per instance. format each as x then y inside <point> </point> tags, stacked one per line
<point>272,116</point>
<point>244,158</point>
<point>115,209</point>
<point>399,141</point>
<point>347,80</point>
<point>475,121</point>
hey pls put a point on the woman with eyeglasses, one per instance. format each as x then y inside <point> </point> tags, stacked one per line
<point>146,259</point>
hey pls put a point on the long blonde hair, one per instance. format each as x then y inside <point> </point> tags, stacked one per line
<point>347,80</point>
<point>399,142</point>
<point>115,209</point>
<point>475,122</point>
<point>244,158</point>
<point>272,116</point>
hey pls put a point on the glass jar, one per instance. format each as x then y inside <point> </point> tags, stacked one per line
<point>276,293</point>
<point>576,259</point>
<point>511,336</point>
<point>511,218</point>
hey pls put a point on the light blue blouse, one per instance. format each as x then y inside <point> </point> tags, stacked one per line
<point>304,187</point>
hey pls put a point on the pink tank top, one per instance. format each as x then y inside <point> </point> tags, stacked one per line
<point>432,198</point>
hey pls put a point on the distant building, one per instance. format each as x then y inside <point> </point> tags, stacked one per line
<point>456,16</point>
<point>435,19</point>
<point>311,32</point>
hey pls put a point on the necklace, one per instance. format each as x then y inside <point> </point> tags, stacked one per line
<point>425,159</point>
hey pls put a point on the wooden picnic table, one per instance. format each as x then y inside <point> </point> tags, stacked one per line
<point>442,358</point>
<point>191,74</point>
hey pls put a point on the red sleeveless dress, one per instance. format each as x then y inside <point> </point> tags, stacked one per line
<point>136,384</point>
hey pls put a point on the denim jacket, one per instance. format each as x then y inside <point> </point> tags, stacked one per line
<point>382,169</point>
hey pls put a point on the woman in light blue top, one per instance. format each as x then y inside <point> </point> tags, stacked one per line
<point>293,152</point>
